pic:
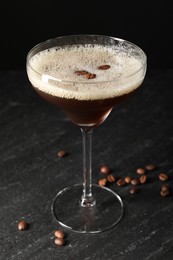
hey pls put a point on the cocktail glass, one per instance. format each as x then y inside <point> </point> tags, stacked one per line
<point>86,76</point>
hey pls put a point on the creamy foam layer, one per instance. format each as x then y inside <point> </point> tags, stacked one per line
<point>53,72</point>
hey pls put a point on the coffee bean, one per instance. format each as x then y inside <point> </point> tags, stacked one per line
<point>102,182</point>
<point>110,178</point>
<point>105,169</point>
<point>61,153</point>
<point>143,179</point>
<point>140,171</point>
<point>104,67</point>
<point>133,190</point>
<point>163,176</point>
<point>164,187</point>
<point>150,167</point>
<point>134,181</point>
<point>22,225</point>
<point>127,179</point>
<point>90,76</point>
<point>85,73</point>
<point>81,72</point>
<point>59,241</point>
<point>165,193</point>
<point>121,182</point>
<point>59,234</point>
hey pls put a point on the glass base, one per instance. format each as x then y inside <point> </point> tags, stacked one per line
<point>105,214</point>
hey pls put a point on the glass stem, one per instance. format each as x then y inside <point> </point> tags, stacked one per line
<point>87,199</point>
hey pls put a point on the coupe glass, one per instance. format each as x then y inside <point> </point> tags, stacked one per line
<point>86,76</point>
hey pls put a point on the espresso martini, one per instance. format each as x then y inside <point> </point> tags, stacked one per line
<point>86,81</point>
<point>86,76</point>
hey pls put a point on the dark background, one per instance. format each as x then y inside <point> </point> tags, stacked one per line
<point>26,23</point>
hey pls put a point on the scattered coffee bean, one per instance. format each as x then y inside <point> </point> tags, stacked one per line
<point>127,179</point>
<point>22,225</point>
<point>164,187</point>
<point>102,182</point>
<point>133,190</point>
<point>105,169</point>
<point>104,67</point>
<point>135,181</point>
<point>165,193</point>
<point>163,176</point>
<point>165,190</point>
<point>61,153</point>
<point>59,234</point>
<point>140,171</point>
<point>110,178</point>
<point>59,241</point>
<point>150,167</point>
<point>121,182</point>
<point>143,179</point>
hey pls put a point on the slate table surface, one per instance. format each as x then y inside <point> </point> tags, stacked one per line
<point>136,133</point>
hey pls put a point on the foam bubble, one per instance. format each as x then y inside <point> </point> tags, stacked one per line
<point>61,64</point>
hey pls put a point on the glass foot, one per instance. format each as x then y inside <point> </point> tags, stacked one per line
<point>105,214</point>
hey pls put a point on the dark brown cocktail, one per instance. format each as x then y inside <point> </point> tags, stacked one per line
<point>89,113</point>
<point>85,81</point>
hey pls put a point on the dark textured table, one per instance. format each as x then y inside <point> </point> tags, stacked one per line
<point>135,134</point>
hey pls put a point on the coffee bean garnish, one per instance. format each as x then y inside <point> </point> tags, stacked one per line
<point>81,72</point>
<point>163,176</point>
<point>140,171</point>
<point>102,182</point>
<point>104,67</point>
<point>90,76</point>
<point>105,169</point>
<point>22,225</point>
<point>61,153</point>
<point>85,73</point>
